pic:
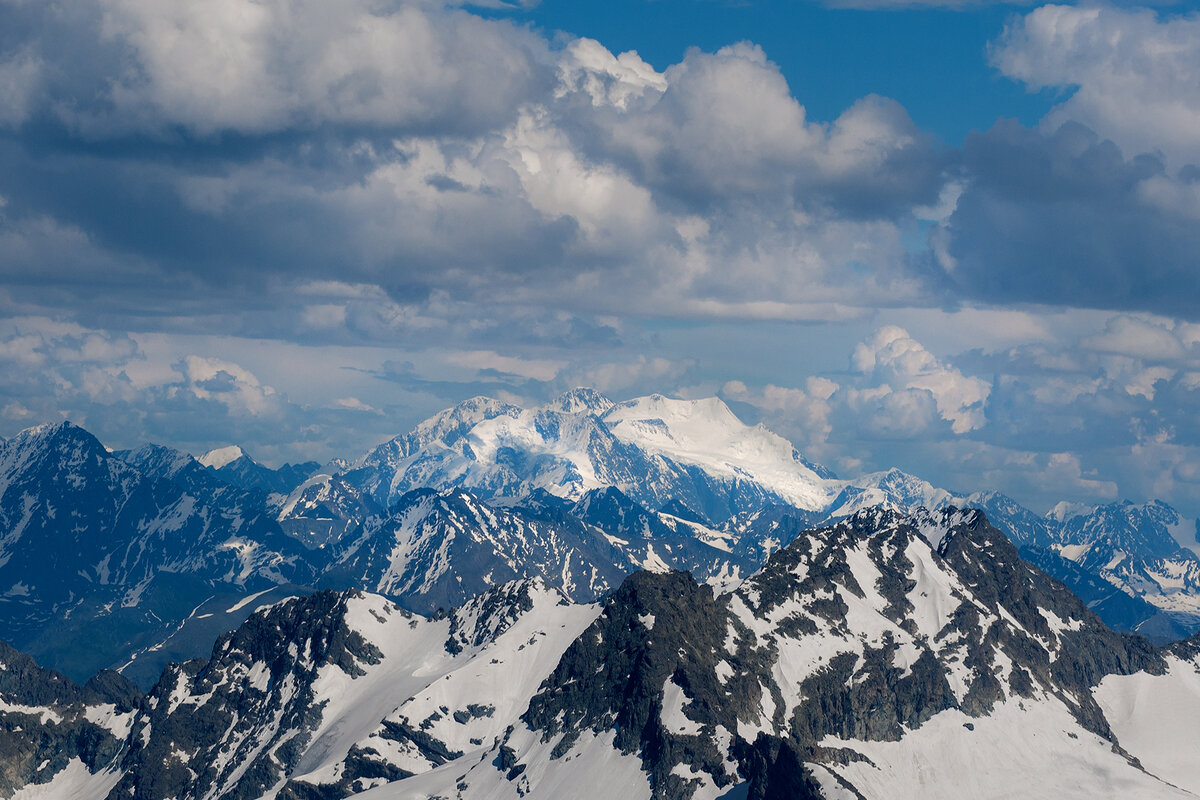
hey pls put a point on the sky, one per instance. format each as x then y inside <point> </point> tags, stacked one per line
<point>958,238</point>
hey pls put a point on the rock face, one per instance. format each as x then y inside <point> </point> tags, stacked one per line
<point>237,725</point>
<point>117,550</point>
<point>887,655</point>
<point>859,632</point>
<point>51,726</point>
<point>1147,553</point>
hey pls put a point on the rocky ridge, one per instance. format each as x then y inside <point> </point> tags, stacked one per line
<point>884,655</point>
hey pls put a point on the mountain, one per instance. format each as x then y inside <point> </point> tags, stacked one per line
<point>161,550</point>
<point>654,449</point>
<point>325,509</point>
<point>697,456</point>
<point>887,655</point>
<point>93,548</point>
<point>236,468</point>
<point>1143,555</point>
<point>308,693</point>
<point>53,730</point>
<point>440,549</point>
<point>891,489</point>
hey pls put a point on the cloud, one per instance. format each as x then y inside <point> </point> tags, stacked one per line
<point>1155,340</point>
<point>1088,412</point>
<point>1097,206</point>
<point>604,187</point>
<point>721,128</point>
<point>894,363</point>
<point>238,66</point>
<point>1132,72</point>
<point>1063,218</point>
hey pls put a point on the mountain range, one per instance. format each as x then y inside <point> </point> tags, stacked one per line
<point>151,553</point>
<point>884,655</point>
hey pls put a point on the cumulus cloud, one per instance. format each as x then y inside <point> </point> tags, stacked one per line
<point>1132,71</point>
<point>721,127</point>
<point>1063,218</point>
<point>424,150</point>
<point>902,374</point>
<point>257,67</point>
<point>1096,207</point>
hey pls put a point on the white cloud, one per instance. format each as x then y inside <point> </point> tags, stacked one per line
<point>229,384</point>
<point>1146,338</point>
<point>614,80</point>
<point>895,362</point>
<point>1135,72</point>
<point>271,65</point>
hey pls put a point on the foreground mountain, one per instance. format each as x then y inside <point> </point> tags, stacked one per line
<point>52,729</point>
<point>883,656</point>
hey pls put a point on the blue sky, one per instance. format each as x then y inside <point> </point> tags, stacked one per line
<point>932,60</point>
<point>957,238</point>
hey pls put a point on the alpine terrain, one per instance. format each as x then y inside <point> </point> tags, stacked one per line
<point>151,553</point>
<point>885,655</point>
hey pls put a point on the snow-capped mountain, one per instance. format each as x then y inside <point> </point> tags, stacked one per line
<point>53,730</point>
<point>150,549</point>
<point>697,454</point>
<point>891,489</point>
<point>1146,554</point>
<point>440,549</point>
<point>325,509</point>
<point>654,449</point>
<point>883,656</point>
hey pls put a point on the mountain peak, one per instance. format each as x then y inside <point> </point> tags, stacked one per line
<point>581,399</point>
<point>221,456</point>
<point>1065,510</point>
<point>51,430</point>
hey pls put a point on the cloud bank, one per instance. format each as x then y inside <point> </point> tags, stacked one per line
<point>418,202</point>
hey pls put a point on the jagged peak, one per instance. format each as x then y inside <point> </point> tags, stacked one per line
<point>472,410</point>
<point>581,399</point>
<point>486,616</point>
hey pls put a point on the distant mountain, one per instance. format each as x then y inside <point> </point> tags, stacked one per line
<point>654,449</point>
<point>114,551</point>
<point>721,473</point>
<point>883,656</point>
<point>891,489</point>
<point>236,468</point>
<point>1147,553</point>
<point>440,549</point>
